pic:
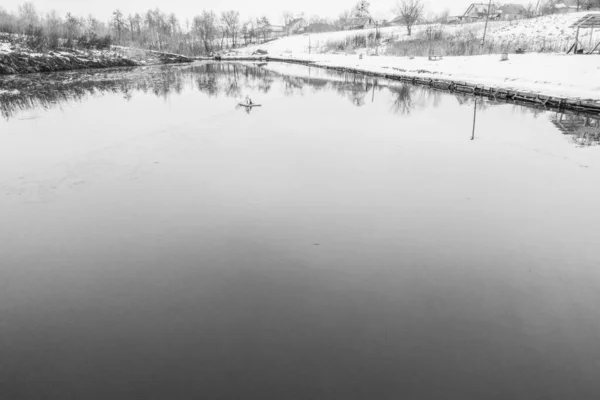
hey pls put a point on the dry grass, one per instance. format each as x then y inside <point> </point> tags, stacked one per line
<point>545,35</point>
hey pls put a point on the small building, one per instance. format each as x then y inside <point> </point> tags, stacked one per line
<point>359,23</point>
<point>454,19</point>
<point>318,27</point>
<point>397,21</point>
<point>294,26</point>
<point>510,12</point>
<point>274,31</point>
<point>479,12</point>
<point>568,6</point>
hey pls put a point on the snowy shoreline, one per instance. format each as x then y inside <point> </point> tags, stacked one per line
<point>538,72</point>
<point>541,77</point>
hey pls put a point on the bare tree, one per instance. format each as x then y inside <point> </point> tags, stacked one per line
<point>28,17</point>
<point>232,20</point>
<point>343,18</point>
<point>72,28</point>
<point>262,26</point>
<point>288,17</point>
<point>410,11</point>
<point>205,27</point>
<point>118,21</point>
<point>52,24</point>
<point>316,19</point>
<point>361,9</point>
<point>443,16</point>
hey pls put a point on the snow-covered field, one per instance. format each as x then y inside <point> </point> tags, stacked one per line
<point>534,33</point>
<point>549,74</point>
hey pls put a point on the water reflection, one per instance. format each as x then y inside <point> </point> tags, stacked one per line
<point>43,91</point>
<point>350,244</point>
<point>582,130</point>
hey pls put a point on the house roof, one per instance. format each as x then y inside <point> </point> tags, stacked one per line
<point>358,21</point>
<point>482,6</point>
<point>397,20</point>
<point>570,3</point>
<point>295,21</point>
<point>512,9</point>
<point>275,28</point>
<point>318,25</point>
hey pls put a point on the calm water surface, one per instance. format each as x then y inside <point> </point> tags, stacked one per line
<point>350,239</point>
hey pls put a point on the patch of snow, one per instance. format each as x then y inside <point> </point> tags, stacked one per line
<point>5,47</point>
<point>9,92</point>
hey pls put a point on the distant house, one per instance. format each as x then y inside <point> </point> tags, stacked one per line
<point>479,11</point>
<point>274,31</point>
<point>568,6</point>
<point>317,27</point>
<point>509,12</point>
<point>454,19</point>
<point>397,21</point>
<point>359,23</point>
<point>294,26</point>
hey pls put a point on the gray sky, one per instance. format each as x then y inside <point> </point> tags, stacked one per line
<point>381,9</point>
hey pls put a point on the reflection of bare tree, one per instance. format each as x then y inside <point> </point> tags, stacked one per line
<point>230,80</point>
<point>402,103</point>
<point>293,86</point>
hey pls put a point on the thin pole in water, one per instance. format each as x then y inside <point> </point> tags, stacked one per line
<point>487,18</point>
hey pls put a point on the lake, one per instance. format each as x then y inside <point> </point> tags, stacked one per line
<point>353,238</point>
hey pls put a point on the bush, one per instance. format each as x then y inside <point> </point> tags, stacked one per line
<point>35,38</point>
<point>94,42</point>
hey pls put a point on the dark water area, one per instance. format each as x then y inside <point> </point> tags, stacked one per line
<point>353,238</point>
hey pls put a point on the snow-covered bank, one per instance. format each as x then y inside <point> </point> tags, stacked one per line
<point>536,34</point>
<point>557,75</point>
<point>15,59</point>
<point>22,61</point>
<point>547,74</point>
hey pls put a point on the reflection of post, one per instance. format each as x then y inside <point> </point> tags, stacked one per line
<point>474,119</point>
<point>373,97</point>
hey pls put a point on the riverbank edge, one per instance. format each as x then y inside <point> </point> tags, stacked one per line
<point>20,63</point>
<point>508,95</point>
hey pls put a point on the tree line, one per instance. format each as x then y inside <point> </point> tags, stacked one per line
<point>153,30</point>
<point>204,33</point>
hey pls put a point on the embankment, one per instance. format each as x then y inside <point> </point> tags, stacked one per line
<point>21,61</point>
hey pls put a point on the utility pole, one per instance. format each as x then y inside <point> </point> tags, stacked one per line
<point>487,18</point>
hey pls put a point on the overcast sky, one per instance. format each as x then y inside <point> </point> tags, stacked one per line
<point>102,9</point>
